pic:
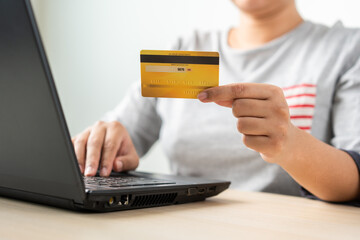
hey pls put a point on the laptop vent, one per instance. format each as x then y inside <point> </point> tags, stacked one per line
<point>154,199</point>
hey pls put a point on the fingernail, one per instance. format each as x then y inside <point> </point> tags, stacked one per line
<point>202,96</point>
<point>119,165</point>
<point>103,171</point>
<point>88,171</point>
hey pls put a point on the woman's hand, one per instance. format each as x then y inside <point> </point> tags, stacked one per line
<point>262,113</point>
<point>107,144</point>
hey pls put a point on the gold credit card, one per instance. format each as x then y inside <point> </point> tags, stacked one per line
<point>178,74</point>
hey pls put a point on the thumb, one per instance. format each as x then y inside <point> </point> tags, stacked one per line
<point>126,163</point>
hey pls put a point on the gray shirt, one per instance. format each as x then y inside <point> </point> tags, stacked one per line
<point>318,68</point>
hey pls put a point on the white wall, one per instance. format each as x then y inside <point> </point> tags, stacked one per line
<point>93,45</point>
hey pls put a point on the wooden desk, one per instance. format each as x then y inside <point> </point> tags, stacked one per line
<point>231,215</point>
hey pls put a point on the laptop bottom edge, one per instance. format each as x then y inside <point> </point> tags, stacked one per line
<point>100,201</point>
<point>150,197</point>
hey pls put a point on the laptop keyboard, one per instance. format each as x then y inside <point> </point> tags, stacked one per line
<point>120,182</point>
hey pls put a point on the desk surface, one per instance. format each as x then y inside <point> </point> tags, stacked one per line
<point>231,215</point>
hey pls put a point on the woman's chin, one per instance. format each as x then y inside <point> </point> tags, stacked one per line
<point>256,6</point>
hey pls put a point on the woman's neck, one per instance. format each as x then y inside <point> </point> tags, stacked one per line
<point>257,29</point>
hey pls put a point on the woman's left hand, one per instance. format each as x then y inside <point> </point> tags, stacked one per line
<point>262,113</point>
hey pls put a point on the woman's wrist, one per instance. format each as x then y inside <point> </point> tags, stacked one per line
<point>291,148</point>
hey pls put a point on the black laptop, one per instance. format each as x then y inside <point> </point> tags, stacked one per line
<point>37,159</point>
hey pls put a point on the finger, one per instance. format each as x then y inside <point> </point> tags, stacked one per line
<point>94,147</point>
<point>238,90</point>
<point>250,108</point>
<point>126,163</point>
<point>79,143</point>
<point>258,143</point>
<point>252,126</point>
<point>225,103</point>
<point>110,148</point>
<point>118,164</point>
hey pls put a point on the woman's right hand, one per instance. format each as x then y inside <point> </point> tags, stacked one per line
<point>107,144</point>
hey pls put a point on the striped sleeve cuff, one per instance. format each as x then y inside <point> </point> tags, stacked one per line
<point>356,157</point>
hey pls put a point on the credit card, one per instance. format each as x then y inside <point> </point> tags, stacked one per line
<point>178,74</point>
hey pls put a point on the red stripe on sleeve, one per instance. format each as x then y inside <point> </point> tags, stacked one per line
<point>304,128</point>
<point>301,95</point>
<point>300,85</point>
<point>301,116</point>
<point>302,106</point>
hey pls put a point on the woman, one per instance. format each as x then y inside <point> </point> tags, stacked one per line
<point>291,86</point>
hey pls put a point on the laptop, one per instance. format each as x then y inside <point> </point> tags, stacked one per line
<point>37,159</point>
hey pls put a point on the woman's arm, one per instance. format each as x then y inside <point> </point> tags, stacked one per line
<point>329,173</point>
<point>264,120</point>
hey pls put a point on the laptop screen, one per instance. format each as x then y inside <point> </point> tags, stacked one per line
<point>36,154</point>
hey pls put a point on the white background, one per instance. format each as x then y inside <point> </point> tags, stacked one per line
<point>93,45</point>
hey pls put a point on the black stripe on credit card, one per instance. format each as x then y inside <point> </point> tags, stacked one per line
<point>179,59</point>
